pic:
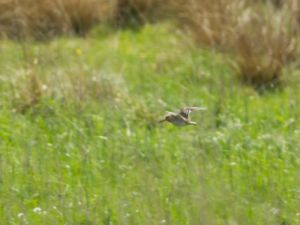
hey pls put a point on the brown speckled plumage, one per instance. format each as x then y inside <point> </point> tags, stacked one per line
<point>181,118</point>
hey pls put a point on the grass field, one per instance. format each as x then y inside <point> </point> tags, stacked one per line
<point>80,143</point>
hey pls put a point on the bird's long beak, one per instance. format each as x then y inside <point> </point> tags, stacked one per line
<point>162,121</point>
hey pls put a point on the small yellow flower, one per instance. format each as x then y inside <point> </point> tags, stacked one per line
<point>78,51</point>
<point>35,61</point>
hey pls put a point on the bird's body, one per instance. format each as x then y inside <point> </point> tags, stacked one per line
<point>182,117</point>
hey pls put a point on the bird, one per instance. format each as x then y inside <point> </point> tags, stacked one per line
<point>181,118</point>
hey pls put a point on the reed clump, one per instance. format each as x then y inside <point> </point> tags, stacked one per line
<point>261,34</point>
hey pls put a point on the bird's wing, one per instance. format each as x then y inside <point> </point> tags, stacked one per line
<point>187,110</point>
<point>166,115</point>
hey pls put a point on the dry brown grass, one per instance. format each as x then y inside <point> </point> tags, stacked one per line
<point>264,43</point>
<point>209,22</point>
<point>46,18</point>
<point>262,34</point>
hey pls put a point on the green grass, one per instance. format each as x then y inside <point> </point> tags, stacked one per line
<point>89,149</point>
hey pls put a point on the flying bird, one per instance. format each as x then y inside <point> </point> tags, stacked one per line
<point>181,118</point>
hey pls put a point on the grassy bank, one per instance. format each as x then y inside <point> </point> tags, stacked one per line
<point>80,143</point>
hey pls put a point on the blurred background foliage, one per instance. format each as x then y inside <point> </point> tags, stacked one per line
<point>261,35</point>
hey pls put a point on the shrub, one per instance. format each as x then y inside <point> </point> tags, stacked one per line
<point>137,12</point>
<point>264,43</point>
<point>209,22</point>
<point>262,36</point>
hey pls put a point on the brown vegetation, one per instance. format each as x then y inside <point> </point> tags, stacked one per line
<point>135,12</point>
<point>264,43</point>
<point>262,34</point>
<point>46,18</point>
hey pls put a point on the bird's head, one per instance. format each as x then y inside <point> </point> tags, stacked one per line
<point>168,117</point>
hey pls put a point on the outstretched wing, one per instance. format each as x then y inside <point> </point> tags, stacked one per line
<point>187,110</point>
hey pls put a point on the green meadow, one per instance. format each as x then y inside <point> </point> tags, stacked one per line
<point>80,142</point>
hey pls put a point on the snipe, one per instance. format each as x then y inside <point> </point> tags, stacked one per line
<point>181,118</point>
